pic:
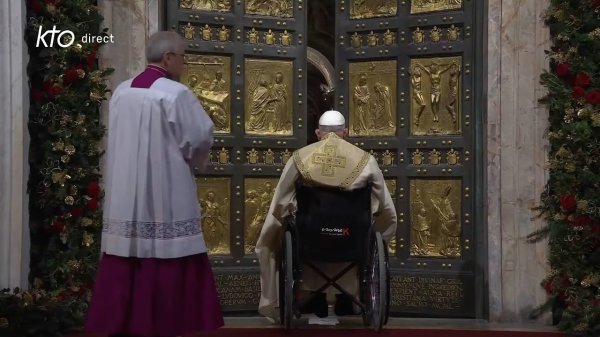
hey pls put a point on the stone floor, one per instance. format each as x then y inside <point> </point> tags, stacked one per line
<point>405,323</point>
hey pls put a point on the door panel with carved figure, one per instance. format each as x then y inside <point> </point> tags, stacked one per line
<point>406,83</point>
<point>246,62</point>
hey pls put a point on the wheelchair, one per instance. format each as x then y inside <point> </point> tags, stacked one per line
<point>331,225</point>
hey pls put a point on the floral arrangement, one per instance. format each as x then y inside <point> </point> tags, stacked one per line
<point>570,202</point>
<point>66,132</point>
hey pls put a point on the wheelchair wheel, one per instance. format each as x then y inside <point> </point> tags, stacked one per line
<point>286,286</point>
<point>377,284</point>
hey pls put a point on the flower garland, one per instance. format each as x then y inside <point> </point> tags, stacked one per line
<point>67,88</point>
<point>571,200</point>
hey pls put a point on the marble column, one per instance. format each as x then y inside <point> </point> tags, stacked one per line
<point>515,153</point>
<point>131,22</point>
<point>14,145</point>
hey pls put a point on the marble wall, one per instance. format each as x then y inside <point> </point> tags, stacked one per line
<point>14,136</point>
<point>515,153</point>
<point>131,22</point>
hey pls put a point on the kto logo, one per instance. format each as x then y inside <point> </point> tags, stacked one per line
<point>66,38</point>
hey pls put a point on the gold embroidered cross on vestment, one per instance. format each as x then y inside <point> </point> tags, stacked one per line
<point>328,160</point>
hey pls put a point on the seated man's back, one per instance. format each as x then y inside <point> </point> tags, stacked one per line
<point>332,162</point>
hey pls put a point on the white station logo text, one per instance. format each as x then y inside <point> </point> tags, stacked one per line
<point>65,38</point>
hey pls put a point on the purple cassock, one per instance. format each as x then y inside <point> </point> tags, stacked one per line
<point>154,278</point>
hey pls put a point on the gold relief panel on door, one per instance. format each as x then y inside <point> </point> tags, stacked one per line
<point>365,9</point>
<point>372,98</point>
<point>206,5</point>
<point>277,8</point>
<point>428,6</point>
<point>435,101</point>
<point>259,192</point>
<point>268,97</point>
<point>215,202</point>
<point>209,77</point>
<point>435,219</point>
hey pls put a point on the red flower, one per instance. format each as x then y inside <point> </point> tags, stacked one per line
<point>37,95</point>
<point>61,296</point>
<point>35,6</point>
<point>57,226</point>
<point>578,92</point>
<point>583,221</point>
<point>596,3</point>
<point>593,97</point>
<point>54,90</point>
<point>548,286</point>
<point>93,204</point>
<point>583,80</point>
<point>93,190</point>
<point>562,69</point>
<point>91,60</point>
<point>47,85</point>
<point>567,202</point>
<point>77,212</point>
<point>71,76</point>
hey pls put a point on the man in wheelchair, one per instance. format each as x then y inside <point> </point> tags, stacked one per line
<point>331,163</point>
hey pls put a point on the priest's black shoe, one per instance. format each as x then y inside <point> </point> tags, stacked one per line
<point>317,305</point>
<point>343,305</point>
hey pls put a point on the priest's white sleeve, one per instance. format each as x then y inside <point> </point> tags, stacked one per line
<point>193,129</point>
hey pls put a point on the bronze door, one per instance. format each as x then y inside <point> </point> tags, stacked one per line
<point>246,62</point>
<point>406,84</point>
<point>406,74</point>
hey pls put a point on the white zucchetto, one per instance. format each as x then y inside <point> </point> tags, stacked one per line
<point>332,118</point>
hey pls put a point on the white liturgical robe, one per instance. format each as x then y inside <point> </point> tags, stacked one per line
<point>157,135</point>
<point>356,168</point>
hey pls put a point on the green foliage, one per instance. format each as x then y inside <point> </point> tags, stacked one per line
<point>571,200</point>
<point>67,88</point>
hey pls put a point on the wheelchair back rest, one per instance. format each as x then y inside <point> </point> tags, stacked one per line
<point>331,224</point>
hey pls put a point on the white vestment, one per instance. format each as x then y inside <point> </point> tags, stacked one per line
<point>360,168</point>
<point>156,136</point>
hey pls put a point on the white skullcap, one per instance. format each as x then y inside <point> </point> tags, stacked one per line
<point>332,118</point>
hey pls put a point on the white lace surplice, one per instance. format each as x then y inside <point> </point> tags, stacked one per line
<point>155,137</point>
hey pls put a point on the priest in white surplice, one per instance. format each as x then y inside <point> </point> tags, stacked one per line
<point>155,278</point>
<point>361,168</point>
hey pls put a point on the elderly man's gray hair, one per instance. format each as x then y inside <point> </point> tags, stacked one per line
<point>161,43</point>
<point>331,128</point>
